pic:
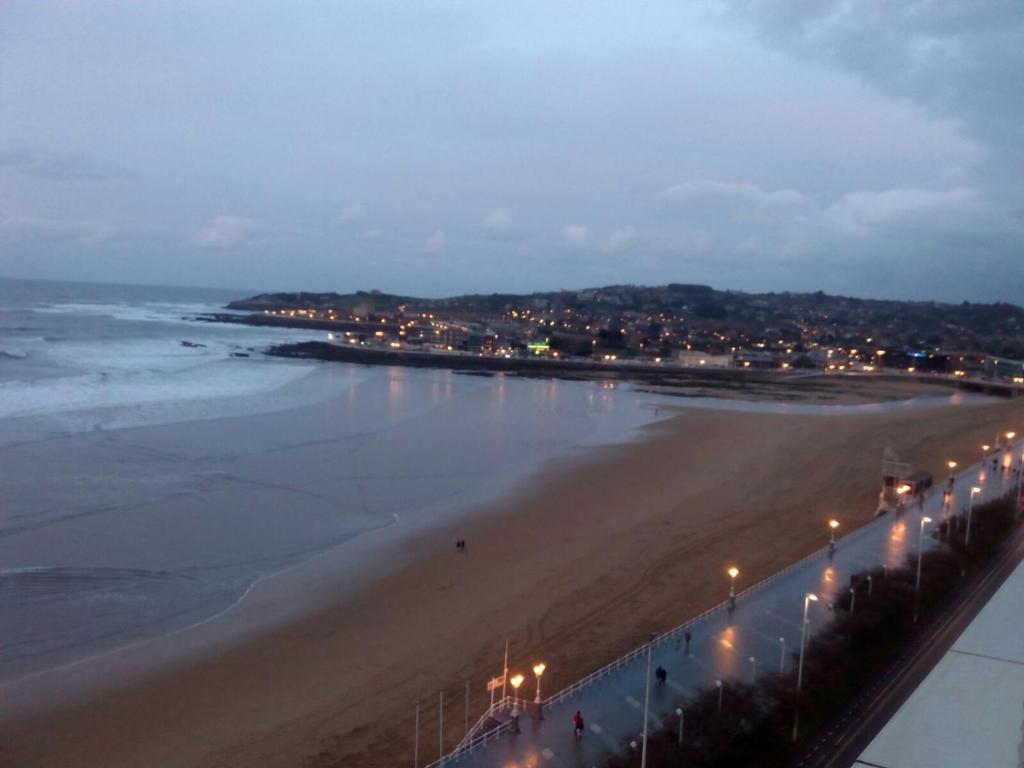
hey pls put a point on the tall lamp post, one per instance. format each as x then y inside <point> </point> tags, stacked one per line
<point>952,465</point>
<point>832,524</point>
<point>538,670</point>
<point>733,573</point>
<point>515,681</point>
<point>809,597</point>
<point>920,551</point>
<point>970,510</point>
<point>647,700</point>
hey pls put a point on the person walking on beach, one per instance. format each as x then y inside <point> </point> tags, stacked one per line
<point>577,724</point>
<point>661,675</point>
<point>688,637</point>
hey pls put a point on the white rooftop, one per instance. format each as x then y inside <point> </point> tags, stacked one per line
<point>969,711</point>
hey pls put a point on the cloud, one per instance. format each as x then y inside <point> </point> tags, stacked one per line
<point>496,222</point>
<point>576,235</point>
<point>953,60</point>
<point>88,232</point>
<point>620,239</point>
<point>352,213</point>
<point>62,168</point>
<point>742,200</point>
<point>862,211</point>
<point>436,242</point>
<point>225,231</point>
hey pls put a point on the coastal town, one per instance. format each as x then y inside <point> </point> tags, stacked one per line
<point>673,326</point>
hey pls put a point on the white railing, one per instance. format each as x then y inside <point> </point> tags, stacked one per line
<point>474,740</point>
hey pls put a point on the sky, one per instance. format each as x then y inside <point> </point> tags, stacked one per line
<point>863,148</point>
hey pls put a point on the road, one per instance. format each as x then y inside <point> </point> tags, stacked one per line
<point>764,626</point>
<point>851,731</point>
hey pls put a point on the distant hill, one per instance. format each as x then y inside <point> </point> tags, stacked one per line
<point>697,301</point>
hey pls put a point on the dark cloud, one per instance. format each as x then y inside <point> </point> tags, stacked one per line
<point>856,146</point>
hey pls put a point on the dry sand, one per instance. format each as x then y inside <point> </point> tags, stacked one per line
<point>599,552</point>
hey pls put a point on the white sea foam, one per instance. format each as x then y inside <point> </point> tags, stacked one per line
<point>112,380</point>
<point>156,311</point>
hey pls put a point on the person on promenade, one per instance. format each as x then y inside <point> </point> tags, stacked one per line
<point>577,724</point>
<point>688,637</point>
<point>661,675</point>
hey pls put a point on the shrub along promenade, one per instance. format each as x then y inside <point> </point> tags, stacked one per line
<point>753,724</point>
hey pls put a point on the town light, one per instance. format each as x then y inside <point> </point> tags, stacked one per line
<point>1010,435</point>
<point>733,573</point>
<point>832,524</point>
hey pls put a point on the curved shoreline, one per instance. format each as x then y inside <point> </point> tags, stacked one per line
<point>634,536</point>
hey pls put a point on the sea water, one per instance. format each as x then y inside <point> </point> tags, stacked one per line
<point>153,467</point>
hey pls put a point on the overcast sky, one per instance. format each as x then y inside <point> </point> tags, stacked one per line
<point>868,148</point>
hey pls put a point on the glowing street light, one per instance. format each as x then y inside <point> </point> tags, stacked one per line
<point>920,550</point>
<point>809,598</point>
<point>952,465</point>
<point>970,510</point>
<point>985,448</point>
<point>538,670</point>
<point>832,524</point>
<point>1010,435</point>
<point>733,573</point>
<point>516,681</point>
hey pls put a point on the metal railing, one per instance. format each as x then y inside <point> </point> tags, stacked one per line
<point>474,740</point>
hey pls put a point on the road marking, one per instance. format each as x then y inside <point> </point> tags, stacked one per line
<point>548,754</point>
<point>782,619</point>
<point>708,667</point>
<point>632,702</point>
<point>608,740</point>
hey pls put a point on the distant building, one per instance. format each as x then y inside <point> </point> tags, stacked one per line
<point>692,359</point>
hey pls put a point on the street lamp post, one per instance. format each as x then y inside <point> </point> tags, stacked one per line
<point>809,597</point>
<point>832,524</point>
<point>515,681</point>
<point>753,669</point>
<point>782,655</point>
<point>920,551</point>
<point>721,691</point>
<point>679,711</point>
<point>647,700</point>
<point>970,511</point>
<point>952,465</point>
<point>733,573</point>
<point>869,586</point>
<point>538,670</point>
<point>853,599</point>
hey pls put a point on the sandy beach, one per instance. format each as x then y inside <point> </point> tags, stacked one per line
<point>577,568</point>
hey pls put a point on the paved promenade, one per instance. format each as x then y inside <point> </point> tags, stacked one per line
<point>723,641</point>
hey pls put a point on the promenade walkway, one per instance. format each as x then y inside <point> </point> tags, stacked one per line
<point>764,625</point>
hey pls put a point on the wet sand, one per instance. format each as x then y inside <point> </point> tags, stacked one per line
<point>579,567</point>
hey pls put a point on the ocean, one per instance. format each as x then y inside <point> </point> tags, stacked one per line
<point>154,467</point>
